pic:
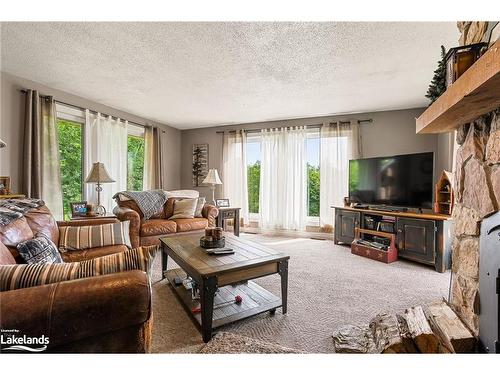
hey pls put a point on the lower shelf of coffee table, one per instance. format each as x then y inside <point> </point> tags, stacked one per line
<point>256,300</point>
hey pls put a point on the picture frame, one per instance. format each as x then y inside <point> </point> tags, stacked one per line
<point>224,202</point>
<point>5,185</point>
<point>78,208</point>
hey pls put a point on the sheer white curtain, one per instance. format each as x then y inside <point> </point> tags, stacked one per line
<point>340,142</point>
<point>234,171</point>
<point>283,179</point>
<point>106,140</point>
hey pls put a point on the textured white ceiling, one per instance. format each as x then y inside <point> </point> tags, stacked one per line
<point>193,75</point>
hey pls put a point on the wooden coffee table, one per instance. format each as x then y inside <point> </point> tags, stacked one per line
<point>221,278</point>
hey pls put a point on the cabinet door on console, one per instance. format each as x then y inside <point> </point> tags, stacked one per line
<point>345,222</point>
<point>416,239</point>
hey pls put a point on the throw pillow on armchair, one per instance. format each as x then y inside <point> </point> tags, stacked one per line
<point>87,237</point>
<point>39,250</point>
<point>19,276</point>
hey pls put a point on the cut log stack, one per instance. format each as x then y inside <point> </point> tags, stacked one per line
<point>433,329</point>
<point>452,332</point>
<point>420,331</point>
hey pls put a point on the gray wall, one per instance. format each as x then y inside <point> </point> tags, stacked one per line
<point>391,133</point>
<point>12,119</point>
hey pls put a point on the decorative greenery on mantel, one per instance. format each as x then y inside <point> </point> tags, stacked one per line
<point>438,84</point>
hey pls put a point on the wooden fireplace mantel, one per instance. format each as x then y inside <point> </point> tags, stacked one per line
<point>473,94</point>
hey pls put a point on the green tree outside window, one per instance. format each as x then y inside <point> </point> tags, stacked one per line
<point>313,190</point>
<point>253,181</point>
<point>135,163</point>
<point>70,152</point>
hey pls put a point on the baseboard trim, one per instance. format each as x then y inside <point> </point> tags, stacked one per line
<point>289,233</point>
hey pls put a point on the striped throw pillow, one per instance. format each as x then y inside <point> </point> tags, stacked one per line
<point>18,276</point>
<point>87,237</point>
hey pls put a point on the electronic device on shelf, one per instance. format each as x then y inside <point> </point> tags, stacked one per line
<point>389,208</point>
<point>371,222</point>
<point>392,182</point>
<point>360,205</point>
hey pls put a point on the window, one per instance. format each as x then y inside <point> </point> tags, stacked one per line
<point>70,128</point>
<point>313,180</point>
<point>70,151</point>
<point>71,133</point>
<point>135,157</point>
<point>253,172</point>
<point>253,155</point>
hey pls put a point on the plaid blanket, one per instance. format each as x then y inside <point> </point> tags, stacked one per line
<point>150,201</point>
<point>12,209</point>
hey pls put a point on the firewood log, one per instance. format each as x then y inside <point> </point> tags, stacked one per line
<point>354,339</point>
<point>420,330</point>
<point>387,335</point>
<point>449,328</point>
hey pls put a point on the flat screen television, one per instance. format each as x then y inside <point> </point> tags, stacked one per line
<point>401,180</point>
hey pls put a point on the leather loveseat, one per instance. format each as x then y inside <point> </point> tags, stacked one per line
<point>148,232</point>
<point>102,314</point>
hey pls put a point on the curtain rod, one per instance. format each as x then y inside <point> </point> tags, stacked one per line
<point>90,110</point>
<point>280,127</point>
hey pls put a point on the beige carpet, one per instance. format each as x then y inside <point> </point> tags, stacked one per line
<point>328,288</point>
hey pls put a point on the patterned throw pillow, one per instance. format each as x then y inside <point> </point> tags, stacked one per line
<point>199,207</point>
<point>18,276</point>
<point>184,208</point>
<point>39,250</point>
<point>87,237</point>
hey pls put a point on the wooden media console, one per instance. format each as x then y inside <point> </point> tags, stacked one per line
<point>421,237</point>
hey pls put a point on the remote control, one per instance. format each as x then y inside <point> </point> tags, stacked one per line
<point>222,252</point>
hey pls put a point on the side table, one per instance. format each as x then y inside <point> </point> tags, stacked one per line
<point>12,196</point>
<point>228,213</point>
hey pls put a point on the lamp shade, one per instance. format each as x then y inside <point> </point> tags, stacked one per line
<point>2,144</point>
<point>99,174</point>
<point>212,177</point>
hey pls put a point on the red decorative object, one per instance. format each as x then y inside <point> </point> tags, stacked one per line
<point>238,299</point>
<point>196,310</point>
<point>387,256</point>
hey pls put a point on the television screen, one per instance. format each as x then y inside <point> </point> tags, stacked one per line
<point>402,180</point>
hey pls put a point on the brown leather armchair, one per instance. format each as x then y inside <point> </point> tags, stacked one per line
<point>102,314</point>
<point>148,232</point>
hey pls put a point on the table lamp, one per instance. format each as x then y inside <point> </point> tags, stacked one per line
<point>212,179</point>
<point>99,175</point>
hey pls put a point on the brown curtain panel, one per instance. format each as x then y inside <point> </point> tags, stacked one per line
<point>32,147</point>
<point>41,164</point>
<point>153,167</point>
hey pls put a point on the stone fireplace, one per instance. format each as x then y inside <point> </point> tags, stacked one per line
<point>477,195</point>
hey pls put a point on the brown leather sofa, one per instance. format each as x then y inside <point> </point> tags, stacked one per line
<point>148,232</point>
<point>102,314</point>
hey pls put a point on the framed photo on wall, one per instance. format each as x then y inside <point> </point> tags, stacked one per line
<point>78,208</point>
<point>222,202</point>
